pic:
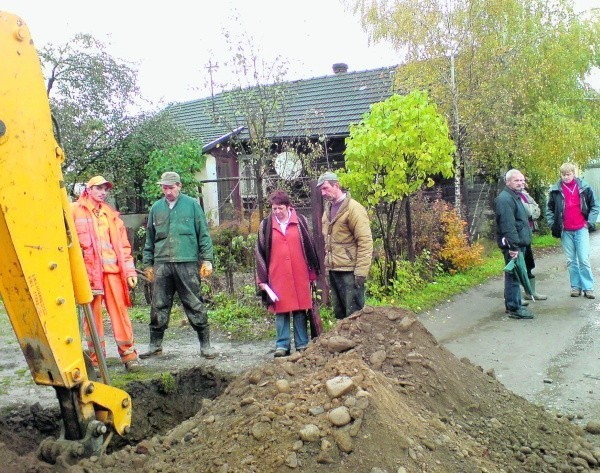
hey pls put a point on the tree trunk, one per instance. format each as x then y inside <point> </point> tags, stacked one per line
<point>456,137</point>
<point>229,280</point>
<point>457,180</point>
<point>259,188</point>
<point>409,235</point>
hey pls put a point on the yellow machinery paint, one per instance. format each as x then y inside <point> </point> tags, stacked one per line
<point>42,274</point>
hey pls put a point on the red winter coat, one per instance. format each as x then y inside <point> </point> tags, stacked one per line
<point>289,276</point>
<point>89,242</point>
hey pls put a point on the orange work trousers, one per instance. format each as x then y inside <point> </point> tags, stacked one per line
<point>114,301</point>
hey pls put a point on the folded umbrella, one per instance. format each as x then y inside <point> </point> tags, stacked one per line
<point>518,267</point>
<point>316,324</point>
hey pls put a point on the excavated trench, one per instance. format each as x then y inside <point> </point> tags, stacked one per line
<point>159,405</point>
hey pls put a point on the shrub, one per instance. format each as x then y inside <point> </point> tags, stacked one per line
<point>233,249</point>
<point>241,315</point>
<point>428,234</point>
<point>457,254</point>
<point>409,277</point>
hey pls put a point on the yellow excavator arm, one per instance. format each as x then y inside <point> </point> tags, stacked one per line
<point>42,274</point>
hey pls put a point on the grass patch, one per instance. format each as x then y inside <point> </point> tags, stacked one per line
<point>139,313</point>
<point>122,379</point>
<point>241,316</point>
<point>447,285</point>
<point>4,384</point>
<point>545,241</point>
<point>167,383</point>
<point>21,372</point>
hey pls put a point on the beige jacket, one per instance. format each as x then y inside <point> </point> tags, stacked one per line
<point>348,239</point>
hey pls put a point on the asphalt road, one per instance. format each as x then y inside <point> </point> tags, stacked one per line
<point>551,360</point>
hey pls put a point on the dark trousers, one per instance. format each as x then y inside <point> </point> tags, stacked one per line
<point>512,287</point>
<point>183,278</point>
<point>529,261</point>
<point>346,298</point>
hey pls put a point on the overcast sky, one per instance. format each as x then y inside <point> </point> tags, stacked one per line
<point>172,45</point>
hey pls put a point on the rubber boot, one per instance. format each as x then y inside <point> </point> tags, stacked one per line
<point>205,349</point>
<point>535,295</point>
<point>155,346</point>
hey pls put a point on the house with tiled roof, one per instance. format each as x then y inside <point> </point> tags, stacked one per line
<point>320,108</point>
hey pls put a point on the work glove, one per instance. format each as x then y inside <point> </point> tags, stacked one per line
<point>359,281</point>
<point>149,273</point>
<point>132,281</point>
<point>206,269</point>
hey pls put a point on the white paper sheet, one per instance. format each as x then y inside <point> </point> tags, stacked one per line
<point>271,294</point>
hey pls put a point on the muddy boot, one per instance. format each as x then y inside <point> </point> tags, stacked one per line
<point>535,295</point>
<point>205,349</point>
<point>155,346</point>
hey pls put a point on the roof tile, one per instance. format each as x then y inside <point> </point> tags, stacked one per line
<point>326,104</point>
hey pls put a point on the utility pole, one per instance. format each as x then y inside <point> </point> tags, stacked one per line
<point>210,68</point>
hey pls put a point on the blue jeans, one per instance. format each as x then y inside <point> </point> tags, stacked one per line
<point>576,245</point>
<point>282,325</point>
<point>512,287</point>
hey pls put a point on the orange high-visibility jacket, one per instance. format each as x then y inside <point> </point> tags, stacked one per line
<point>90,243</point>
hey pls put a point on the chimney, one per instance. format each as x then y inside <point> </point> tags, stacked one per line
<point>340,68</point>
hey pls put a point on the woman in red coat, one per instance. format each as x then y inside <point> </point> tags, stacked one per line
<point>287,263</point>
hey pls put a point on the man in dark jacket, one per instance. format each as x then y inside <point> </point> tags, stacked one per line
<point>571,213</point>
<point>513,236</point>
<point>177,252</point>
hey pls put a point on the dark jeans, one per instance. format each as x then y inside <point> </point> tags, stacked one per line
<point>183,278</point>
<point>512,287</point>
<point>346,298</point>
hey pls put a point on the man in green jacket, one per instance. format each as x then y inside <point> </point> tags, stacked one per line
<point>348,246</point>
<point>177,252</point>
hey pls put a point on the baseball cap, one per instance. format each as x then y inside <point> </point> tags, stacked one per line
<point>169,179</point>
<point>98,181</point>
<point>327,176</point>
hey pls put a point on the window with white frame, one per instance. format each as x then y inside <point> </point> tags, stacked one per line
<point>248,180</point>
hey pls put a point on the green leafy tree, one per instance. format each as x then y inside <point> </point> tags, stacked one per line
<point>95,100</point>
<point>494,67</point>
<point>186,159</point>
<point>90,93</point>
<point>127,160</point>
<point>554,112</point>
<point>396,149</point>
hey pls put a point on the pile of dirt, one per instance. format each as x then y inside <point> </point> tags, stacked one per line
<point>375,394</point>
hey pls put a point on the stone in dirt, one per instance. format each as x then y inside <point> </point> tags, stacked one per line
<point>406,404</point>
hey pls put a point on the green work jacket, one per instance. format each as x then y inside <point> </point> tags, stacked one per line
<point>177,235</point>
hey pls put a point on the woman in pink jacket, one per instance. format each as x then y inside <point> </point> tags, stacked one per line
<point>287,263</point>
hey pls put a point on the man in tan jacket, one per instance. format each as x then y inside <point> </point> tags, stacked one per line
<point>348,246</point>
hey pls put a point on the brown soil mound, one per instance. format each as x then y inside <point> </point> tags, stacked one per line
<point>376,394</point>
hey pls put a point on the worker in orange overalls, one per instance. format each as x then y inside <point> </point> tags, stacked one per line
<point>110,267</point>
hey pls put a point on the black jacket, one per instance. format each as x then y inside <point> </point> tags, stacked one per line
<point>512,224</point>
<point>555,207</point>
